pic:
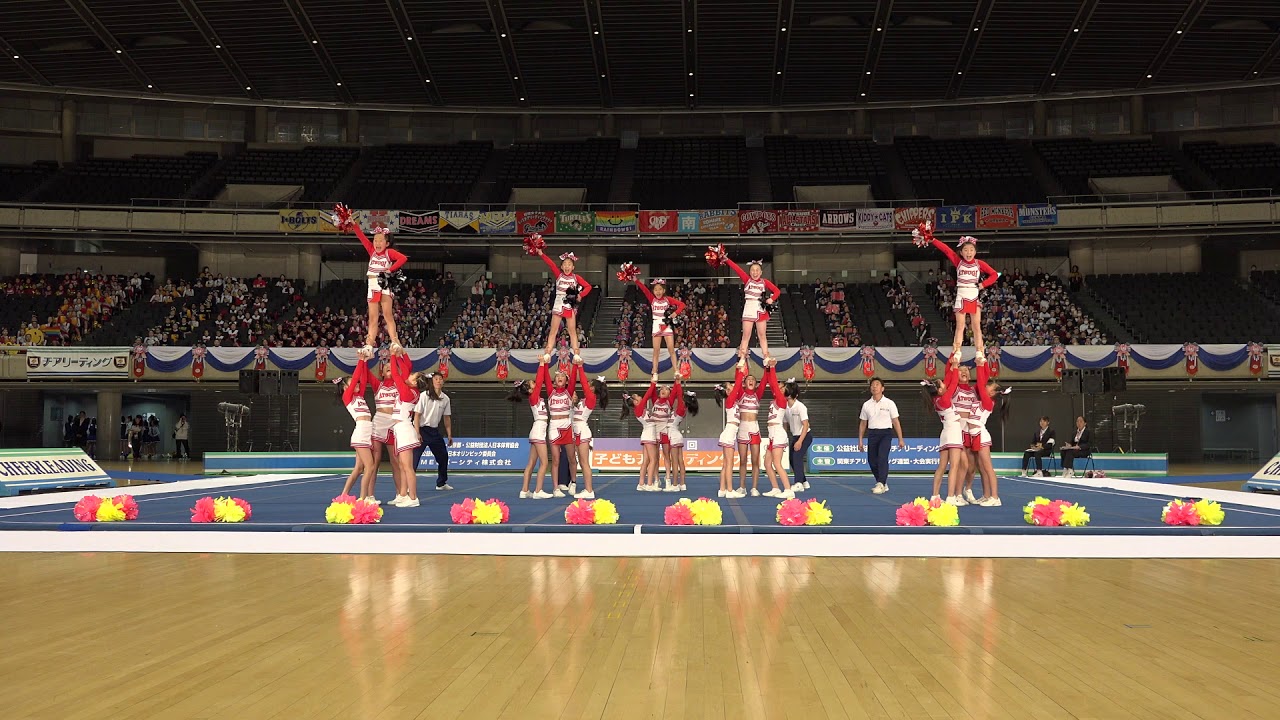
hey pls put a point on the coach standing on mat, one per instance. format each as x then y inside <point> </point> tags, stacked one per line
<point>432,408</point>
<point>878,422</point>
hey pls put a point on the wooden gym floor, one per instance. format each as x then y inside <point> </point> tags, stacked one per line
<point>271,636</point>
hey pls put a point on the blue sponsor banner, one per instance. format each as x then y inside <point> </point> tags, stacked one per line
<point>841,455</point>
<point>689,222</point>
<point>482,454</point>
<point>956,217</point>
<point>1037,215</point>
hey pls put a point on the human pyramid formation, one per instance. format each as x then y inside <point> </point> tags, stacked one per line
<point>560,416</point>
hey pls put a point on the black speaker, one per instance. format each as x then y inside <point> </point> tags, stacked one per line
<point>1092,383</point>
<point>1071,382</point>
<point>269,382</point>
<point>249,382</point>
<point>288,382</point>
<point>1115,380</point>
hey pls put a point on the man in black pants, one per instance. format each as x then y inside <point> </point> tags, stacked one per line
<point>1041,447</point>
<point>432,408</point>
<point>878,422</point>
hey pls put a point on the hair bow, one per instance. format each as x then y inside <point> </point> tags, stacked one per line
<point>657,281</point>
<point>968,239</point>
<point>379,229</point>
<point>569,256</point>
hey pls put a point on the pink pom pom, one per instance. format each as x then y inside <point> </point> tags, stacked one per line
<point>793,512</point>
<point>534,244</point>
<point>345,500</point>
<point>129,506</point>
<point>462,512</point>
<point>506,511</point>
<point>580,512</point>
<point>87,509</point>
<point>244,505</point>
<point>912,515</point>
<point>678,514</point>
<point>203,512</point>
<point>1182,513</point>
<point>1047,515</point>
<point>364,513</point>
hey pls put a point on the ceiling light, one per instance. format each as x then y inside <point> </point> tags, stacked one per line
<point>1075,30</point>
<point>690,74</point>
<point>868,72</point>
<point>690,94</point>
<point>248,87</point>
<point>689,30</point>
<point>862,94</point>
<point>148,87</point>
<point>118,51</point>
<point>219,47</point>
<point>409,38</point>
<point>779,72</point>
<point>879,29</point>
<point>515,77</point>
<point>316,42</point>
<point>428,79</point>
<point>959,72</point>
<point>1053,74</point>
<point>784,29</point>
<point>975,29</point>
<point>1179,32</point>
<point>504,34</point>
<point>602,75</point>
<point>1148,76</point>
<point>521,99</point>
<point>15,57</point>
<point>339,84</point>
<point>595,32</point>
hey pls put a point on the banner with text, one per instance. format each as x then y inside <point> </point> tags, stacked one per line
<point>25,470</point>
<point>616,222</point>
<point>306,221</point>
<point>907,218</point>
<point>718,221</point>
<point>1038,215</point>
<point>841,219</point>
<point>418,223</point>
<point>842,455</point>
<point>497,222</point>
<point>956,217</point>
<point>758,222</point>
<point>997,217</point>
<point>580,222</point>
<point>535,221</point>
<point>658,221</point>
<point>460,222</point>
<point>625,454</point>
<point>875,219</point>
<point>389,219</point>
<point>798,221</point>
<point>78,362</point>
<point>482,454</point>
<point>688,221</point>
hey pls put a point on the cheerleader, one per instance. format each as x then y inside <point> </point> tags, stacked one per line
<point>980,442</point>
<point>778,442</point>
<point>965,403</point>
<point>686,405</point>
<point>969,272</point>
<point>560,406</point>
<point>666,442</point>
<point>728,399</point>
<point>749,432</point>
<point>655,411</point>
<point>939,398</point>
<point>593,393</point>
<point>383,260</point>
<point>353,399</point>
<point>754,310</point>
<point>409,385</point>
<point>385,398</point>
<point>571,289</point>
<point>532,392</point>
<point>633,406</point>
<point>663,309</point>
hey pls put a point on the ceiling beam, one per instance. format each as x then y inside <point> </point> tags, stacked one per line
<point>599,51</point>
<point>1189,15</point>
<point>413,46</point>
<point>22,62</point>
<point>781,47</point>
<point>973,36</point>
<point>879,26</point>
<point>1264,62</point>
<point>317,47</point>
<point>689,16</point>
<point>502,33</point>
<point>224,55</point>
<point>1078,25</point>
<point>95,26</point>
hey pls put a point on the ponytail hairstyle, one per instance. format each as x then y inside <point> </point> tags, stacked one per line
<point>520,391</point>
<point>929,390</point>
<point>628,406</point>
<point>791,388</point>
<point>691,402</point>
<point>722,394</point>
<point>601,388</point>
<point>341,385</point>
<point>423,382</point>
<point>1002,400</point>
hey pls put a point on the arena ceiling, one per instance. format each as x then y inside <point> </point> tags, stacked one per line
<point>633,53</point>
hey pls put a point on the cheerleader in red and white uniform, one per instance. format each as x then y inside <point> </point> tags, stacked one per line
<point>969,280</point>
<point>666,438</point>
<point>656,409</point>
<point>753,310</point>
<point>965,403</point>
<point>571,289</point>
<point>980,442</point>
<point>728,399</point>
<point>686,405</point>
<point>362,435</point>
<point>382,259</point>
<point>777,434</point>
<point>595,392</point>
<point>385,399</point>
<point>662,309</point>
<point>939,397</point>
<point>532,392</point>
<point>560,405</point>
<point>749,433</point>
<point>409,385</point>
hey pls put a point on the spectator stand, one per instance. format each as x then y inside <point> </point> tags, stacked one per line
<point>48,309</point>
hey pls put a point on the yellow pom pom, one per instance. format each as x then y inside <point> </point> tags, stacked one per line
<point>1074,515</point>
<point>945,515</point>
<point>819,514</point>
<point>921,502</point>
<point>606,512</point>
<point>110,511</point>
<point>706,512</point>
<point>1211,513</point>
<point>486,513</point>
<point>226,510</point>
<point>338,513</point>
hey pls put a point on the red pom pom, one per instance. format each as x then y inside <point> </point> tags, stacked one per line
<point>912,515</point>
<point>716,255</point>
<point>461,512</point>
<point>345,500</point>
<point>244,505</point>
<point>129,506</point>
<point>87,509</point>
<point>364,513</point>
<point>342,217</point>
<point>922,235</point>
<point>202,512</point>
<point>678,514</point>
<point>793,512</point>
<point>506,511</point>
<point>580,512</point>
<point>534,244</point>
<point>1049,515</point>
<point>628,273</point>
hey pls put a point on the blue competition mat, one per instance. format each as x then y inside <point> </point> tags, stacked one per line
<point>299,504</point>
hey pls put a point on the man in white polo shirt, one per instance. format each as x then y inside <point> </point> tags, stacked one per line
<point>878,422</point>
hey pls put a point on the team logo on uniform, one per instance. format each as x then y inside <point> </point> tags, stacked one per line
<point>197,361</point>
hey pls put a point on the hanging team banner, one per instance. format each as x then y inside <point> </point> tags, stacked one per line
<point>260,356</point>
<point>197,361</point>
<point>836,220</point>
<point>418,223</point>
<point>718,221</point>
<point>1037,215</point>
<point>806,360</point>
<point>1192,352</point>
<point>498,222</point>
<point>616,222</point>
<point>875,219</point>
<point>798,221</point>
<point>322,363</point>
<point>956,217</point>
<point>684,358</point>
<point>931,360</point>
<point>367,219</point>
<point>503,369</point>
<point>306,221</point>
<point>443,353</point>
<point>139,362</point>
<point>658,221</point>
<point>689,221</point>
<point>460,222</point>
<point>575,222</point>
<point>1059,360</point>
<point>868,360</point>
<point>993,359</point>
<point>1122,357</point>
<point>758,222</point>
<point>1255,358</point>
<point>907,218</point>
<point>997,217</point>
<point>68,362</point>
<point>624,363</point>
<point>535,221</point>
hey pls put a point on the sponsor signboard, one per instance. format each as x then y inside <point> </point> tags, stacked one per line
<point>997,217</point>
<point>875,219</point>
<point>1037,215</point>
<point>718,221</point>
<point>758,222</point>
<point>798,221</point>
<point>907,218</point>
<point>306,221</point>
<point>78,362</point>
<point>956,217</point>
<point>418,222</point>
